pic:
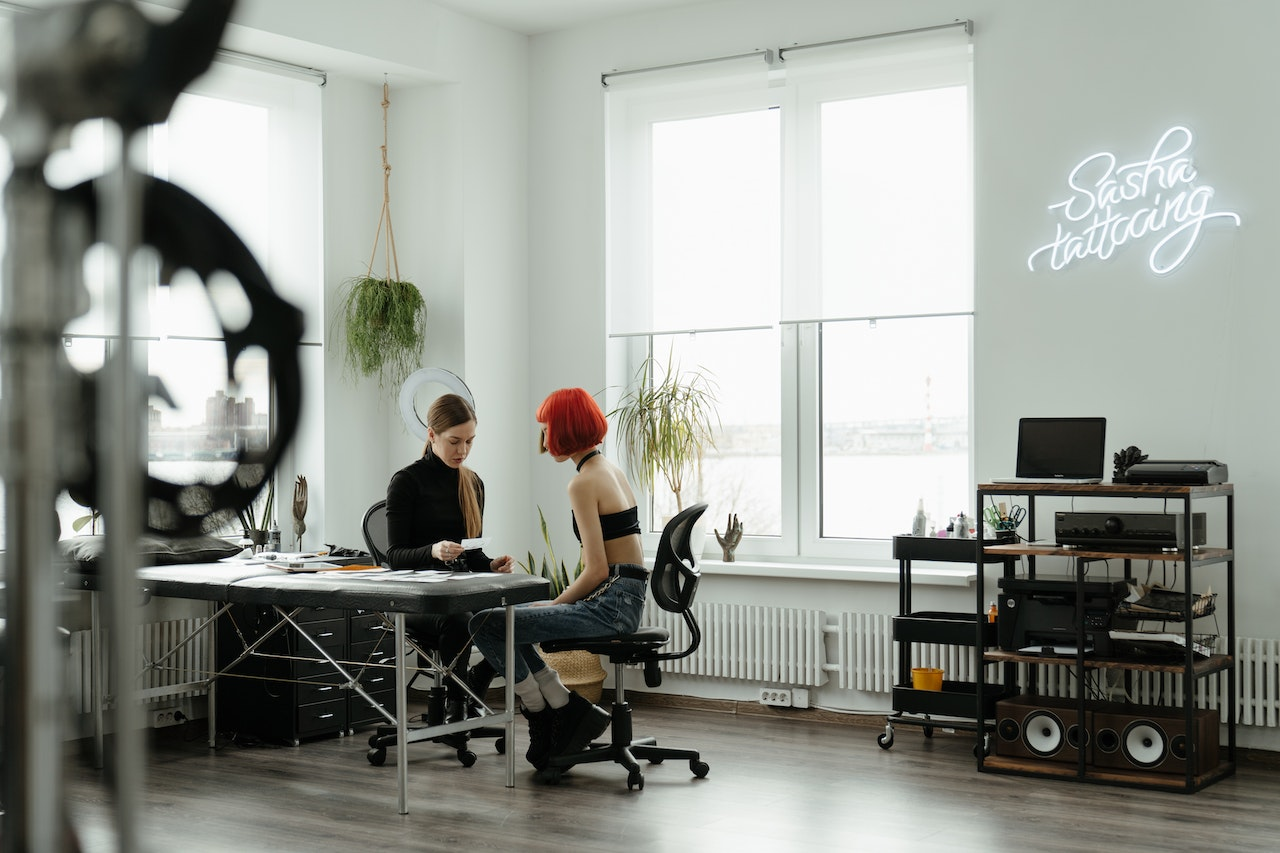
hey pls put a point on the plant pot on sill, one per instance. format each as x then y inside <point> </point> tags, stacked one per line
<point>579,670</point>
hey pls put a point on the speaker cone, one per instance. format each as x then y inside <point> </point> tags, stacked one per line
<point>1042,733</point>
<point>1107,740</point>
<point>1178,747</point>
<point>1008,729</point>
<point>1144,743</point>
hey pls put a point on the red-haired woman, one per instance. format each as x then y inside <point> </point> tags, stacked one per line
<point>605,599</point>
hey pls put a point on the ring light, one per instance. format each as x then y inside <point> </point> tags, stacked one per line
<point>419,379</point>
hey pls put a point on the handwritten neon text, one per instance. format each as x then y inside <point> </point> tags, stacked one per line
<point>1111,205</point>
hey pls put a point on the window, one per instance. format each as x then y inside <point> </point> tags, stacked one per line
<point>246,142</point>
<point>805,238</point>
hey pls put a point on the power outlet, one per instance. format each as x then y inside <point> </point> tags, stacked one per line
<point>779,697</point>
<point>162,717</point>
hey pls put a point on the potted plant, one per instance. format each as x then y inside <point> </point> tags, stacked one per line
<point>385,323</point>
<point>665,424</point>
<point>385,317</point>
<point>580,670</point>
<point>256,526</point>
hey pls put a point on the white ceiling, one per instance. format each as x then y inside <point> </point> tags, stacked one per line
<point>542,16</point>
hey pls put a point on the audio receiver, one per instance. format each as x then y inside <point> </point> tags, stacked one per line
<point>1126,530</point>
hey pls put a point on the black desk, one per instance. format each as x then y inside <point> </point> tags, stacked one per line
<point>395,593</point>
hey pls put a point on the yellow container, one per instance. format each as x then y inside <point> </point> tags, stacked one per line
<point>926,678</point>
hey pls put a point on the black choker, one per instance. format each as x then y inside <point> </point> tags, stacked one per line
<point>583,460</point>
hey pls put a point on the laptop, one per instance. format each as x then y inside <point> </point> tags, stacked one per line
<point>1060,450</point>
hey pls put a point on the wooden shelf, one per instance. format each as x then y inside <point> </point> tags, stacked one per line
<point>1137,778</point>
<point>1108,490</point>
<point>1202,667</point>
<point>1025,549</point>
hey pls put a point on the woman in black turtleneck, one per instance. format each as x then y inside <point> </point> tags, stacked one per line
<point>432,505</point>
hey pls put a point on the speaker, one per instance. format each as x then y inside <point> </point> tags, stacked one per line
<point>1155,740</point>
<point>1042,728</point>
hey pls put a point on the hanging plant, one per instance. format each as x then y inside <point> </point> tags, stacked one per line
<point>385,318</point>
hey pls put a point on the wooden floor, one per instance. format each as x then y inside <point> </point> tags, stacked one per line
<point>775,784</point>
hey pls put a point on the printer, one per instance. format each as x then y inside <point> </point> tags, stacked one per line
<point>1040,614</point>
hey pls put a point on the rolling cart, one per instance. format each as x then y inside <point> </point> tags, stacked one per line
<point>955,705</point>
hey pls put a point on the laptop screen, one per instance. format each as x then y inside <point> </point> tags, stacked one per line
<point>1070,448</point>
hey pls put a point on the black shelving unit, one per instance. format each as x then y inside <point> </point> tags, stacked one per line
<point>956,705</point>
<point>1118,743</point>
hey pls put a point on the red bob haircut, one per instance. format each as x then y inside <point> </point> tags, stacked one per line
<point>572,420</point>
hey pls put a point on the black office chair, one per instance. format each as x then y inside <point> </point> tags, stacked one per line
<point>376,540</point>
<point>674,583</point>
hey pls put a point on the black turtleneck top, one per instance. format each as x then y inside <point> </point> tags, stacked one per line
<point>423,509</point>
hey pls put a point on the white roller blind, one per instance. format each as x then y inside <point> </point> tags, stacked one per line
<point>761,190</point>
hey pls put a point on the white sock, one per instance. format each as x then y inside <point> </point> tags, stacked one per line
<point>530,695</point>
<point>557,695</point>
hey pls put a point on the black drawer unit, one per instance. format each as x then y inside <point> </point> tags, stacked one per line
<point>287,691</point>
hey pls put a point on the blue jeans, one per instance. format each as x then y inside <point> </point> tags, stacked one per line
<point>611,608</point>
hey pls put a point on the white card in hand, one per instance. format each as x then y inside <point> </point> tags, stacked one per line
<point>475,544</point>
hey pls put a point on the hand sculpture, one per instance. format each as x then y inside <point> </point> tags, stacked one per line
<point>732,536</point>
<point>299,509</point>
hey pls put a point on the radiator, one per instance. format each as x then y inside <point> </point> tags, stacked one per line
<point>168,667</point>
<point>767,645</point>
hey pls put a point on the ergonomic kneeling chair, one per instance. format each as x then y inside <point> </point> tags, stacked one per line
<point>673,583</point>
<point>427,647</point>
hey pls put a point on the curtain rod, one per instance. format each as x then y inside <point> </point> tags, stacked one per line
<point>968,28</point>
<point>770,56</point>
<point>223,53</point>
<point>604,77</point>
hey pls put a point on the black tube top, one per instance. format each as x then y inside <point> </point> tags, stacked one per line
<point>615,525</point>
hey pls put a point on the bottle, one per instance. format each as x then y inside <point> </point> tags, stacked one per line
<point>273,538</point>
<point>919,523</point>
<point>992,612</point>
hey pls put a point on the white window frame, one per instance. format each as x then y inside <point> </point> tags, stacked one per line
<point>800,539</point>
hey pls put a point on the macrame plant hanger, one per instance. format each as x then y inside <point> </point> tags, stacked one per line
<point>392,263</point>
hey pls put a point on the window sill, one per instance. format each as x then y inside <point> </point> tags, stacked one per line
<point>933,575</point>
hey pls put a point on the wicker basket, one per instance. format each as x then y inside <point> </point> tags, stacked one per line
<point>579,670</point>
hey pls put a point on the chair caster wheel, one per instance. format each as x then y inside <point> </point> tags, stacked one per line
<point>548,776</point>
<point>466,757</point>
<point>373,741</point>
<point>635,780</point>
<point>885,740</point>
<point>700,768</point>
<point>500,745</point>
<point>377,756</point>
<point>928,731</point>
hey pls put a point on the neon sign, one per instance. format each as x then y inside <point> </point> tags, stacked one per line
<point>1111,205</point>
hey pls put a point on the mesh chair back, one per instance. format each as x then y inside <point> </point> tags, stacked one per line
<point>674,581</point>
<point>375,532</point>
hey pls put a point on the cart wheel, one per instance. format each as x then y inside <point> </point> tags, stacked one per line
<point>928,731</point>
<point>635,780</point>
<point>500,745</point>
<point>377,756</point>
<point>700,768</point>
<point>885,739</point>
